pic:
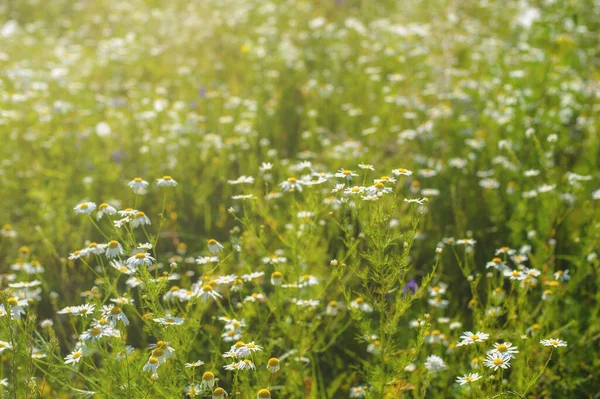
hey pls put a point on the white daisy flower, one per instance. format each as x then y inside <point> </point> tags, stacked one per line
<point>113,249</point>
<point>5,346</point>
<point>139,186</point>
<point>214,246</point>
<point>140,219</point>
<point>140,259</point>
<point>402,172</point>
<point>505,348</point>
<point>346,174</point>
<point>85,208</point>
<point>469,338</point>
<point>554,342</point>
<point>496,360</point>
<point>105,209</point>
<point>166,181</point>
<point>206,292</point>
<point>169,320</point>
<point>76,356</point>
<point>434,364</point>
<point>467,378</point>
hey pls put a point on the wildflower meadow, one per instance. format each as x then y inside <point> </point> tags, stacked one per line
<point>299,199</point>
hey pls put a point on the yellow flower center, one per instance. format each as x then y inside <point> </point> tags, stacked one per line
<point>498,361</point>
<point>378,185</point>
<point>153,360</point>
<point>77,355</point>
<point>502,348</point>
<point>497,260</point>
<point>115,310</point>
<point>140,215</point>
<point>264,393</point>
<point>158,352</point>
<point>474,337</point>
<point>140,255</point>
<point>207,288</point>
<point>347,172</point>
<point>13,301</point>
<point>113,244</point>
<point>212,241</point>
<point>137,179</point>
<point>102,206</point>
<point>553,342</point>
<point>292,180</point>
<point>273,362</point>
<point>167,178</point>
<point>96,331</point>
<point>218,391</point>
<point>208,376</point>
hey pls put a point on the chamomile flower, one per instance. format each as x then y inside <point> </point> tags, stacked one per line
<point>114,314</point>
<point>203,260</point>
<point>17,307</point>
<point>562,275</point>
<point>5,346</point>
<point>276,278</point>
<point>193,390</point>
<point>291,184</point>
<point>76,356</point>
<point>553,342</point>
<point>402,172</point>
<point>206,291</point>
<point>166,181</point>
<point>85,208</point>
<point>208,380</point>
<point>357,392</point>
<point>245,364</point>
<point>151,365</point>
<point>169,320</point>
<point>214,246</point>
<point>434,363</point>
<point>263,394</point>
<point>113,249</point>
<point>139,186</point>
<point>496,360</point>
<point>505,348</point>
<point>93,334</point>
<point>273,365</point>
<point>140,259</point>
<point>195,364</point>
<point>467,378</point>
<point>359,303</point>
<point>219,393</point>
<point>105,209</point>
<point>308,281</point>
<point>469,338</point>
<point>140,219</point>
<point>346,174</point>
<point>241,180</point>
